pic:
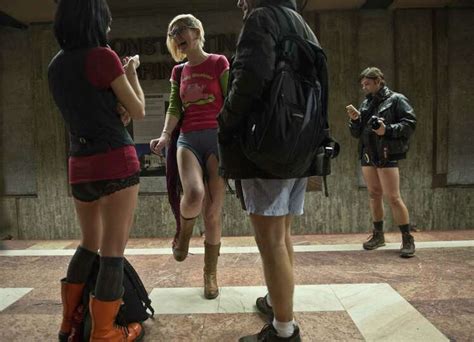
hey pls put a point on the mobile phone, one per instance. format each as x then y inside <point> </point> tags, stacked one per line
<point>352,108</point>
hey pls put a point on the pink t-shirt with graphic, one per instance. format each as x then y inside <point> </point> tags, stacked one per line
<point>201,93</point>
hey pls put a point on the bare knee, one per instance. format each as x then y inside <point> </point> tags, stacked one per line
<point>395,200</point>
<point>194,196</point>
<point>269,245</point>
<point>212,216</point>
<point>375,194</point>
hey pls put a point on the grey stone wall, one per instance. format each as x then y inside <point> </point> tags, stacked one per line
<point>425,54</point>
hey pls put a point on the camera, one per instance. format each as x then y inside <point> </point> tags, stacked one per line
<point>374,122</point>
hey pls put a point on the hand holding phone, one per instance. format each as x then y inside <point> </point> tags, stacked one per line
<point>353,113</point>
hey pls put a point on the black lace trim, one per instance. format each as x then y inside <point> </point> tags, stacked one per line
<point>120,184</point>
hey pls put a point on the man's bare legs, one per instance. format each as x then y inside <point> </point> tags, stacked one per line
<point>271,238</point>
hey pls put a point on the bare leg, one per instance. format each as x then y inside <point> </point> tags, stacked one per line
<point>270,235</point>
<point>88,214</point>
<point>190,173</point>
<point>390,180</point>
<point>374,188</point>
<point>213,202</point>
<point>288,242</point>
<point>117,212</point>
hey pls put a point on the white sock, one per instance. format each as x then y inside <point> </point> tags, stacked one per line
<point>269,300</point>
<point>284,329</point>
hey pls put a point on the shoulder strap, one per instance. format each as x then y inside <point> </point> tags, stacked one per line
<point>290,25</point>
<point>138,285</point>
<point>312,51</point>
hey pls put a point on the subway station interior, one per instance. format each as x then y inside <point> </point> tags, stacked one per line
<point>342,291</point>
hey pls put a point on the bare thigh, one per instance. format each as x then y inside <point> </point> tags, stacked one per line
<point>190,174</point>
<point>371,178</point>
<point>88,214</point>
<point>390,181</point>
<point>117,212</point>
<point>215,190</point>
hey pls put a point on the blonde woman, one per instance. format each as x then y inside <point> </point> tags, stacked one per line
<point>198,87</point>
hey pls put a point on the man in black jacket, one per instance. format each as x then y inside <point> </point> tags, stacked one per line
<point>383,125</point>
<point>270,202</point>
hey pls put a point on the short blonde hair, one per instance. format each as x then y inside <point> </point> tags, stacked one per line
<point>187,20</point>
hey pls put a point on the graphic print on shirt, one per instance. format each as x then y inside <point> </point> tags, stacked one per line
<point>194,91</point>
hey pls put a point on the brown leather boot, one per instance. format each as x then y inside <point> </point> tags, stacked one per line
<point>104,329</point>
<point>181,245</point>
<point>211,254</point>
<point>71,297</point>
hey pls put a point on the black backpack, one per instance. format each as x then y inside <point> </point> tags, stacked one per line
<point>285,138</point>
<point>136,305</point>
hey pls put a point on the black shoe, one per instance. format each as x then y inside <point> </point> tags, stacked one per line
<point>408,246</point>
<point>264,308</point>
<point>269,334</point>
<point>376,240</point>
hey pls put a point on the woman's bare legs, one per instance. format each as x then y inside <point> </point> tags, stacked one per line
<point>190,173</point>
<point>213,202</point>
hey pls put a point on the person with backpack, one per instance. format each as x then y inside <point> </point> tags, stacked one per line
<point>198,87</point>
<point>88,83</point>
<point>273,169</point>
<point>383,124</point>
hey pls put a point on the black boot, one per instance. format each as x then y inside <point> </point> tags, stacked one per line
<point>408,245</point>
<point>376,240</point>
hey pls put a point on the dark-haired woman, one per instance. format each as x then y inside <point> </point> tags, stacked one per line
<point>88,81</point>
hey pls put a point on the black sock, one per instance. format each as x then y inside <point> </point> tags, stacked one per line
<point>80,266</point>
<point>109,285</point>
<point>378,226</point>
<point>405,228</point>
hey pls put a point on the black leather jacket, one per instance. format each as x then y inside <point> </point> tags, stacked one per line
<point>399,119</point>
<point>251,71</point>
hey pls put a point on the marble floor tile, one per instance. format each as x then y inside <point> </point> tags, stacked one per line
<point>8,296</point>
<point>36,252</point>
<point>315,327</point>
<point>56,244</point>
<point>29,328</point>
<point>381,314</point>
<point>239,299</point>
<point>376,295</point>
<point>182,300</point>
<point>46,249</point>
<point>314,298</point>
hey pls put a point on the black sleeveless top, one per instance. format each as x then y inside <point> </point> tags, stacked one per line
<point>90,113</point>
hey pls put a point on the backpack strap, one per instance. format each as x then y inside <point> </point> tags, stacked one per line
<point>138,285</point>
<point>316,55</point>
<point>319,59</point>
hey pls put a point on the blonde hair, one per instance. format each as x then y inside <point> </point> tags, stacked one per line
<point>186,20</point>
